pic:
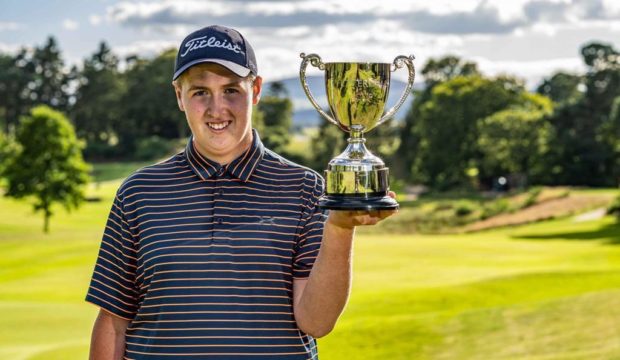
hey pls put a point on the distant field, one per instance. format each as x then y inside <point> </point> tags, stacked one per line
<point>544,291</point>
<point>300,143</point>
<point>115,170</point>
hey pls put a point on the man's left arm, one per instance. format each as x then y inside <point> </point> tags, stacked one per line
<point>320,299</point>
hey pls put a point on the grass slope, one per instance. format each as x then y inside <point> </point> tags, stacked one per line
<point>43,278</point>
<point>544,291</point>
<point>526,293</point>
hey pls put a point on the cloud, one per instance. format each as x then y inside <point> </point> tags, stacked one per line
<point>531,71</point>
<point>145,48</point>
<point>278,52</point>
<point>516,36</point>
<point>573,11</point>
<point>276,14</point>
<point>70,25</point>
<point>471,17</point>
<point>10,26</point>
<point>232,13</point>
<point>94,20</point>
<point>9,49</point>
<point>482,20</point>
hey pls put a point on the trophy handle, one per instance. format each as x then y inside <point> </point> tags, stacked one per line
<point>399,62</point>
<point>315,61</point>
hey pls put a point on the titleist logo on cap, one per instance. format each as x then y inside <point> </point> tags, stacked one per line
<point>203,42</point>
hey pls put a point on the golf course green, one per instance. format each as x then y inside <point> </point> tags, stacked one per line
<point>549,290</point>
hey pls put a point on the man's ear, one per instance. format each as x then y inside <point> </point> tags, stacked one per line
<point>257,87</point>
<point>177,91</point>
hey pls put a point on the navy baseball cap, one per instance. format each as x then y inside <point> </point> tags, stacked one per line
<point>216,44</point>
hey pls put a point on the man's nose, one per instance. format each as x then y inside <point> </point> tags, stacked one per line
<point>216,106</point>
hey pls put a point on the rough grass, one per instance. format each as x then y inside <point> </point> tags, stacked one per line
<point>454,213</point>
<point>543,210</point>
<point>544,291</point>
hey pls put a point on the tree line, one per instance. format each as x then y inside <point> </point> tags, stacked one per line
<point>468,131</point>
<point>104,110</point>
<point>123,109</point>
<point>464,129</point>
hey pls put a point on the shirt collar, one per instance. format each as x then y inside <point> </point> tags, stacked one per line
<point>242,167</point>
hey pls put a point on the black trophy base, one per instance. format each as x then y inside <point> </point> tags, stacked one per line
<point>351,203</point>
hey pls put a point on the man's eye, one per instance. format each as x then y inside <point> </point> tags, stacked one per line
<point>231,90</point>
<point>199,93</point>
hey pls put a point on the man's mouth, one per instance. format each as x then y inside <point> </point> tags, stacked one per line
<point>219,125</point>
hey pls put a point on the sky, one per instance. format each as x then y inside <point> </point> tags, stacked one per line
<point>527,38</point>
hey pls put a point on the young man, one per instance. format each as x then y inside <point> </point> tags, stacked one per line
<point>220,252</point>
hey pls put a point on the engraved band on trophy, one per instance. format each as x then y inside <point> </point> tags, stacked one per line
<point>357,93</point>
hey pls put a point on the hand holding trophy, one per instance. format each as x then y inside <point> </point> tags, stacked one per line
<point>356,94</point>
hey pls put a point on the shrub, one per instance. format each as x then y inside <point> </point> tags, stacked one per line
<point>464,208</point>
<point>614,208</point>
<point>532,196</point>
<point>7,149</point>
<point>154,148</point>
<point>495,208</point>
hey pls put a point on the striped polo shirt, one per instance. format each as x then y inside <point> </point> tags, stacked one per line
<point>200,257</point>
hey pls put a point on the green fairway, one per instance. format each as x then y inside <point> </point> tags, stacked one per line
<point>544,291</point>
<point>510,294</point>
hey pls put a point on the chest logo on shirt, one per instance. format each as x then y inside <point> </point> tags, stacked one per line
<point>267,220</point>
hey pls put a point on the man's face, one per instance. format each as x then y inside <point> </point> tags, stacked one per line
<point>218,107</point>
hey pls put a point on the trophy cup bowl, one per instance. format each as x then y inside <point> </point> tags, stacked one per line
<point>357,94</point>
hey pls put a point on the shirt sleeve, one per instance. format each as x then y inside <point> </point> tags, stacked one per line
<point>112,286</point>
<point>311,233</point>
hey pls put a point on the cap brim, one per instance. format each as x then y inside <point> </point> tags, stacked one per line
<point>236,68</point>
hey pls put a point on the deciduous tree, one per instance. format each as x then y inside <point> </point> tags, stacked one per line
<point>447,127</point>
<point>434,72</point>
<point>516,140</point>
<point>48,165</point>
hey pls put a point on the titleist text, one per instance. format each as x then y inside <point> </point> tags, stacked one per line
<point>203,42</point>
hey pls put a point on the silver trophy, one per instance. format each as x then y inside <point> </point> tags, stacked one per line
<point>356,94</point>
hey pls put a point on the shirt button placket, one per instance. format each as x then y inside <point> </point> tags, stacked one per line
<point>217,216</point>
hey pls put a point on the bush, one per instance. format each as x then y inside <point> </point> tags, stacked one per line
<point>100,151</point>
<point>444,205</point>
<point>614,208</point>
<point>154,148</point>
<point>7,149</point>
<point>495,208</point>
<point>464,208</point>
<point>532,196</point>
